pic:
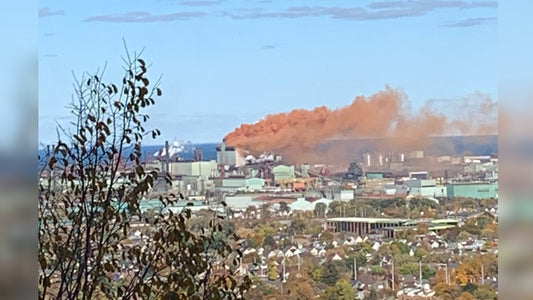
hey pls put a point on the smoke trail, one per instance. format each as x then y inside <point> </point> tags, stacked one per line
<point>385,115</point>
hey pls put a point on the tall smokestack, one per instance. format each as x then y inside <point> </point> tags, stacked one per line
<point>167,158</point>
<point>198,155</point>
<point>305,170</point>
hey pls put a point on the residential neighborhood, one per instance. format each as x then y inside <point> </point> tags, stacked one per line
<point>308,232</point>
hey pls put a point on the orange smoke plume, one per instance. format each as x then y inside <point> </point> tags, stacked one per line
<point>385,114</point>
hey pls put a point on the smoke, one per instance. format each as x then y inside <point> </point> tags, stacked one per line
<point>480,114</point>
<point>386,115</point>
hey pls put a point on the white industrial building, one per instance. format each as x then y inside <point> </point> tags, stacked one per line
<point>425,188</point>
<point>204,169</point>
<point>229,156</point>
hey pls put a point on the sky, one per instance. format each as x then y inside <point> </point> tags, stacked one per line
<point>225,63</point>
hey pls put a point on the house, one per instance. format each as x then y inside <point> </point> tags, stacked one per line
<point>366,278</point>
<point>349,241</point>
<point>376,246</point>
<point>292,251</point>
<point>407,281</point>
<point>415,293</point>
<point>322,253</point>
<point>386,260</point>
<point>473,245</point>
<point>249,250</point>
<point>336,257</point>
<point>434,245</point>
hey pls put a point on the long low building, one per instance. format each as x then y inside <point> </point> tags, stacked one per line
<point>385,226</point>
<point>476,190</point>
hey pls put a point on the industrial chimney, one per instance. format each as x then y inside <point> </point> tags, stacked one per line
<point>198,154</point>
<point>167,157</point>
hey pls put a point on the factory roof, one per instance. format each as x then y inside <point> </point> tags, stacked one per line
<point>226,147</point>
<point>367,220</point>
<point>471,182</point>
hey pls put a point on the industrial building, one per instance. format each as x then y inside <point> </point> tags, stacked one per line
<point>304,205</point>
<point>298,184</point>
<point>229,156</point>
<point>378,175</point>
<point>419,175</point>
<point>204,169</point>
<point>385,226</point>
<point>425,188</point>
<point>187,185</point>
<point>338,193</point>
<point>476,190</point>
<point>241,202</point>
<point>417,154</point>
<point>234,184</point>
<point>362,226</point>
<point>283,172</point>
<point>477,159</point>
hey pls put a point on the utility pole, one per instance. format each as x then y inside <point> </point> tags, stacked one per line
<point>167,157</point>
<point>420,263</point>
<point>283,274</point>
<point>240,266</point>
<point>343,210</point>
<point>355,269</point>
<point>392,275</point>
<point>284,270</point>
<point>447,279</point>
<point>482,275</point>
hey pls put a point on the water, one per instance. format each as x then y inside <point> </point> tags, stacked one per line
<point>209,151</point>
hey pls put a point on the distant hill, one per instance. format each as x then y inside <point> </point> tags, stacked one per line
<point>461,145</point>
<point>443,145</point>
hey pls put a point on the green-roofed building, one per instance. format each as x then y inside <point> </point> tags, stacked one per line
<point>476,190</point>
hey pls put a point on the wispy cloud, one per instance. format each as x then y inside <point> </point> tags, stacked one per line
<point>473,22</point>
<point>355,13</point>
<point>374,11</point>
<point>199,3</point>
<point>429,5</point>
<point>144,17</point>
<point>267,47</point>
<point>47,12</point>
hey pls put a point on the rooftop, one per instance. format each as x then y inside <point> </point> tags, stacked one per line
<point>367,220</point>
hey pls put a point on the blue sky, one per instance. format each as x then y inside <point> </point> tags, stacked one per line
<point>228,62</point>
